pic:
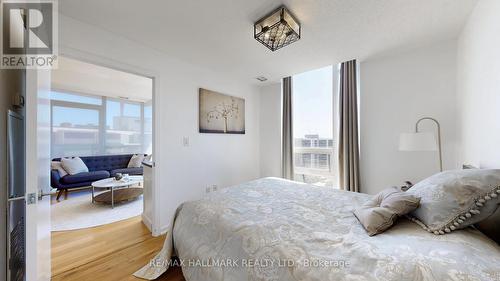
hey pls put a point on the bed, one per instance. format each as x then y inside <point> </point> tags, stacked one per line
<point>274,229</point>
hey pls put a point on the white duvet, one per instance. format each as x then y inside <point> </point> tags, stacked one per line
<point>273,229</point>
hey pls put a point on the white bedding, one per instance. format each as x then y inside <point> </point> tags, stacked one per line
<point>273,229</point>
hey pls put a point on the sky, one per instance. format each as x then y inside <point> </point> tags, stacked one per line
<point>313,103</point>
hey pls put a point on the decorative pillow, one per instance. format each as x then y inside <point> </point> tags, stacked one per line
<point>136,161</point>
<point>56,165</point>
<point>380,213</point>
<point>456,199</point>
<point>74,165</point>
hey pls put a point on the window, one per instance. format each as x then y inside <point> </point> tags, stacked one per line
<point>148,128</point>
<point>84,125</point>
<point>313,127</point>
<point>75,131</point>
<point>123,127</point>
<point>76,98</point>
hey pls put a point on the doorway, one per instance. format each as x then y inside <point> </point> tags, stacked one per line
<point>105,117</point>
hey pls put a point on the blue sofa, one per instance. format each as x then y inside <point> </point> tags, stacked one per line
<point>100,167</point>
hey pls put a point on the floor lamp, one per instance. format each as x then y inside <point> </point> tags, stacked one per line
<point>422,141</point>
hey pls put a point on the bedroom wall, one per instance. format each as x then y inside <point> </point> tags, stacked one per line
<point>270,130</point>
<point>479,87</point>
<point>210,158</point>
<point>395,91</point>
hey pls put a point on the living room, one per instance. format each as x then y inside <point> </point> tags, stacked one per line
<point>101,145</point>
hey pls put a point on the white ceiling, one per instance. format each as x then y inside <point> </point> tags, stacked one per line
<point>218,34</point>
<point>81,77</point>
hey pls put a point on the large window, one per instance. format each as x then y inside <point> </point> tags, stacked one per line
<point>92,125</point>
<point>124,126</point>
<point>313,127</point>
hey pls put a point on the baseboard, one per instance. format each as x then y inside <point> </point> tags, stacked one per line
<point>147,222</point>
<point>163,230</point>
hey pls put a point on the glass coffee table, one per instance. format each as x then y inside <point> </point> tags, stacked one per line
<point>120,190</point>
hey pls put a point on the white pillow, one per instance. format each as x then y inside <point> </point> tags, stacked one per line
<point>56,165</point>
<point>74,165</point>
<point>136,161</point>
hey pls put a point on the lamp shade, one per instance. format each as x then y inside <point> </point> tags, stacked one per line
<point>422,141</point>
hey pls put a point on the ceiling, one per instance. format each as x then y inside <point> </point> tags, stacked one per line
<point>85,78</point>
<point>218,34</point>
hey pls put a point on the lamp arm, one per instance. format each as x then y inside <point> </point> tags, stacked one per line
<point>439,137</point>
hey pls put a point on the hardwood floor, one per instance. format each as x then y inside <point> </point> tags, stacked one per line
<point>109,252</point>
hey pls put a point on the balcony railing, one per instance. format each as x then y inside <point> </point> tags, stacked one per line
<point>316,171</point>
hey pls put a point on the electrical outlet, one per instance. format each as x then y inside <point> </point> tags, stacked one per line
<point>185,141</point>
<point>207,189</point>
<point>214,187</point>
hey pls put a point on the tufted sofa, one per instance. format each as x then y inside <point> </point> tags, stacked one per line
<point>100,167</point>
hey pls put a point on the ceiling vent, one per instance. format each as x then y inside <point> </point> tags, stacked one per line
<point>261,78</point>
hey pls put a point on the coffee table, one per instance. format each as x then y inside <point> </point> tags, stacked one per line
<point>118,190</point>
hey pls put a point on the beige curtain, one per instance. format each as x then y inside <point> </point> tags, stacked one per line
<point>287,131</point>
<point>348,128</point>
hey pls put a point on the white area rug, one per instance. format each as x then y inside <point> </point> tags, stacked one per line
<point>78,211</point>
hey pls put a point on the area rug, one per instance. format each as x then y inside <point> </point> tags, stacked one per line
<point>79,212</point>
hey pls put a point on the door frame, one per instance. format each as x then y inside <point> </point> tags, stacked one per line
<point>87,57</point>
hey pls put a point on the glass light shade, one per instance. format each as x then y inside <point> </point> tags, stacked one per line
<point>278,29</point>
<point>422,141</point>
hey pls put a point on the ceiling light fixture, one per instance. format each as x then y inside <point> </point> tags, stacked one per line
<point>277,29</point>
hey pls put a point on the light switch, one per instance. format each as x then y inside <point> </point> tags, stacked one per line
<point>185,141</point>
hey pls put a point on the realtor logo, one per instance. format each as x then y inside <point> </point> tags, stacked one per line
<point>29,37</point>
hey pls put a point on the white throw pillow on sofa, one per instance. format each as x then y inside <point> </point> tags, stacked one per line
<point>136,161</point>
<point>74,165</point>
<point>56,165</point>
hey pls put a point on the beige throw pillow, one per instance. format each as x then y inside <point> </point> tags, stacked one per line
<point>136,161</point>
<point>56,165</point>
<point>380,213</point>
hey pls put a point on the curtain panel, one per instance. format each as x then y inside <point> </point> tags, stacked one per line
<point>287,131</point>
<point>348,128</point>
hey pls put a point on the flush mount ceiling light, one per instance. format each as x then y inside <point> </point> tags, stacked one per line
<point>278,29</point>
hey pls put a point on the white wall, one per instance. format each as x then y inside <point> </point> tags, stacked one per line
<point>478,81</point>
<point>211,158</point>
<point>270,130</point>
<point>395,91</point>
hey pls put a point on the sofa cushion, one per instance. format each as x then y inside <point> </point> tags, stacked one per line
<point>107,162</point>
<point>85,177</point>
<point>130,171</point>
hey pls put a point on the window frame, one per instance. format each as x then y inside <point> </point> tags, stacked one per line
<point>333,156</point>
<point>102,111</point>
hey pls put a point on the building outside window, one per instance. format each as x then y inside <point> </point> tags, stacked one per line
<point>313,123</point>
<point>85,125</point>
